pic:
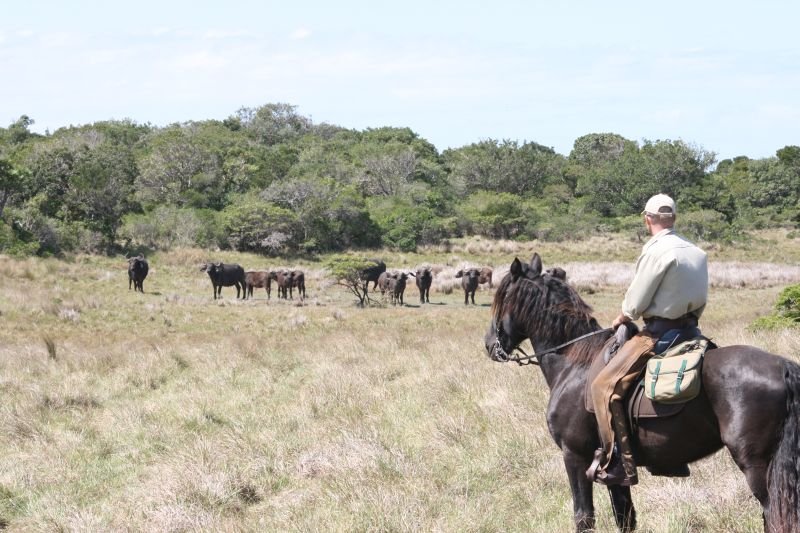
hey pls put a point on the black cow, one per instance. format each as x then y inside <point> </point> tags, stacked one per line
<point>299,281</point>
<point>372,273</point>
<point>424,280</point>
<point>223,275</point>
<point>469,282</point>
<point>137,271</point>
<point>259,279</point>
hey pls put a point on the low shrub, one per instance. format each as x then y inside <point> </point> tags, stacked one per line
<point>787,311</point>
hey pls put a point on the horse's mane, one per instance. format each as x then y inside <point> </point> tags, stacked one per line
<point>548,305</point>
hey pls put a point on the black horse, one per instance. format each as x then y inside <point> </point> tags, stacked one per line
<point>750,402</point>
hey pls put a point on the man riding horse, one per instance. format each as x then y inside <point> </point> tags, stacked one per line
<point>669,292</point>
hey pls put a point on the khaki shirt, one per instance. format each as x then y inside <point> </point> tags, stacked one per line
<point>671,279</point>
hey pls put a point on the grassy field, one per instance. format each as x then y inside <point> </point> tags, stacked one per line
<point>169,411</point>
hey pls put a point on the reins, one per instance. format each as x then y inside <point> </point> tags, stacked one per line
<point>535,358</point>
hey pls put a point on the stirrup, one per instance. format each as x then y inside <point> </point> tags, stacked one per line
<point>614,473</point>
<point>594,468</point>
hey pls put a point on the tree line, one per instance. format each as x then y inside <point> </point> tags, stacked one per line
<point>270,180</point>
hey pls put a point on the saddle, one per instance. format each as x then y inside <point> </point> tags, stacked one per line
<point>637,404</point>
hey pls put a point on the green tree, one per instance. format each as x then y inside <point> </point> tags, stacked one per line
<point>12,182</point>
<point>503,166</point>
<point>253,225</point>
<point>496,215</point>
<point>621,185</point>
<point>272,124</point>
<point>330,216</point>
<point>194,164</point>
<point>347,271</point>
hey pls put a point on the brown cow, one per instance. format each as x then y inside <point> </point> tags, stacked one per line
<point>469,282</point>
<point>556,272</point>
<point>424,280</point>
<point>284,281</point>
<point>397,286</point>
<point>486,276</point>
<point>259,279</point>
<point>382,283</point>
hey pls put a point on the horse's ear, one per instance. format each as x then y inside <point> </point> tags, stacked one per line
<point>516,269</point>
<point>536,264</point>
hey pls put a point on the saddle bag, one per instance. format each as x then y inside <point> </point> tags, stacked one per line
<point>674,376</point>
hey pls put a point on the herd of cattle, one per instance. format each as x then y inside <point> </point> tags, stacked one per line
<point>394,283</point>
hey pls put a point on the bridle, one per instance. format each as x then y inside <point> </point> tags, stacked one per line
<point>536,357</point>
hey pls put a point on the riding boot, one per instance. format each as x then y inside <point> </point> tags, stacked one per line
<point>620,421</point>
<point>621,469</point>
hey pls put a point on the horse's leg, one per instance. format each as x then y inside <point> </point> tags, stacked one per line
<point>622,506</point>
<point>581,487</point>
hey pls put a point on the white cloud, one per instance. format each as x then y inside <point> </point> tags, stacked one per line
<point>301,33</point>
<point>202,60</point>
<point>160,31</point>
<point>224,34</point>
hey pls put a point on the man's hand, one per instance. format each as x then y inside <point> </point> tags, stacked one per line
<point>621,319</point>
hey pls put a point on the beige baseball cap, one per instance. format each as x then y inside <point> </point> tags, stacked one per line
<point>656,203</point>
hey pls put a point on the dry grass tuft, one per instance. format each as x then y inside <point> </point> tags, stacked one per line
<point>50,344</point>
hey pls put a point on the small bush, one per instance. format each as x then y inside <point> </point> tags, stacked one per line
<point>788,303</point>
<point>787,311</point>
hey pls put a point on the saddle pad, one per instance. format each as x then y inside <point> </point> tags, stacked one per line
<point>637,405</point>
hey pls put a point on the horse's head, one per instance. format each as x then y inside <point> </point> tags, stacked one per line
<point>507,330</point>
<point>538,305</point>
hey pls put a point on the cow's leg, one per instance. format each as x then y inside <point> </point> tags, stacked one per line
<point>472,296</point>
<point>130,280</point>
<point>466,297</point>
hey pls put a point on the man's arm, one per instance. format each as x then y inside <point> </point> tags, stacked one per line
<point>649,273</point>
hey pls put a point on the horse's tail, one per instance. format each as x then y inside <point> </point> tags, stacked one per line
<point>783,476</point>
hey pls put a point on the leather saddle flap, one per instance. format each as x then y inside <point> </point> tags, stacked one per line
<point>637,405</point>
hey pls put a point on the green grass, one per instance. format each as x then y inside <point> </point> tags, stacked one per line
<point>170,411</point>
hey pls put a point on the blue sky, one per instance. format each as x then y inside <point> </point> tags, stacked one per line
<point>722,75</point>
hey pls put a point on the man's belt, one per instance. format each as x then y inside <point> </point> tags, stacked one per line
<point>657,325</point>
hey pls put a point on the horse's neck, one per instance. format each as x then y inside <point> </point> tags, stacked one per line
<point>555,366</point>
